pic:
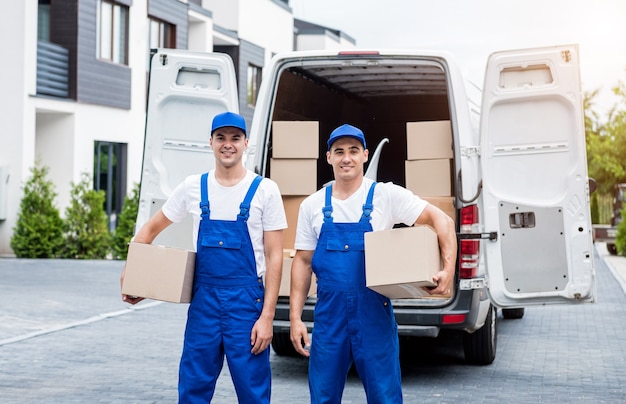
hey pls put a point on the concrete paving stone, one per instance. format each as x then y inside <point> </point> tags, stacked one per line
<point>66,337</point>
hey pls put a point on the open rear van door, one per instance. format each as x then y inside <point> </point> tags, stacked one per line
<point>186,91</point>
<point>535,185</point>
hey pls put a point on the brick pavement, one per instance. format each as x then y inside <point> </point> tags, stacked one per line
<point>66,337</point>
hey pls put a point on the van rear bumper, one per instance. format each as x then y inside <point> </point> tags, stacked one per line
<point>413,320</point>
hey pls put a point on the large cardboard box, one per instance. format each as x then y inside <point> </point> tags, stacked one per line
<point>295,139</point>
<point>428,140</point>
<point>285,283</point>
<point>445,203</point>
<point>160,273</point>
<point>292,207</point>
<point>399,262</point>
<point>294,176</point>
<point>429,177</point>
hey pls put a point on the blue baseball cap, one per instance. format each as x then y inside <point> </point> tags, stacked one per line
<point>228,119</point>
<point>346,130</point>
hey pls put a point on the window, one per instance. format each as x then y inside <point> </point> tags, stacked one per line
<point>110,176</point>
<point>43,21</point>
<point>112,32</point>
<point>254,82</point>
<point>162,34</point>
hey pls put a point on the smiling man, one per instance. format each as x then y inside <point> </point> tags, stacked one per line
<point>238,224</point>
<point>354,324</point>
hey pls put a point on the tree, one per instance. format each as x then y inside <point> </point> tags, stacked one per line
<point>606,146</point>
<point>606,142</point>
<point>38,232</point>
<point>126,224</point>
<point>86,231</point>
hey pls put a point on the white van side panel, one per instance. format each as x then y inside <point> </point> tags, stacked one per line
<point>535,178</point>
<point>186,91</point>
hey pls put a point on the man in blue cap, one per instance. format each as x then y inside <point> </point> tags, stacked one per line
<point>238,224</point>
<point>354,324</point>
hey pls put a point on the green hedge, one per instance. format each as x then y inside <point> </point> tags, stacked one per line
<point>40,232</point>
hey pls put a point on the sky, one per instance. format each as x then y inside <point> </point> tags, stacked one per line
<point>473,29</point>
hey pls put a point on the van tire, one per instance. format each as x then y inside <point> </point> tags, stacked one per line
<point>281,343</point>
<point>480,346</point>
<point>513,313</point>
<point>612,248</point>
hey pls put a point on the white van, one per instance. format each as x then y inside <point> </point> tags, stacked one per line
<point>514,176</point>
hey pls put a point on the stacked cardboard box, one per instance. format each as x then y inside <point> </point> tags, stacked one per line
<point>295,150</point>
<point>428,166</point>
<point>445,203</point>
<point>285,283</point>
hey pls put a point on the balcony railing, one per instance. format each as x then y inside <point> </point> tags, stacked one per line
<point>52,69</point>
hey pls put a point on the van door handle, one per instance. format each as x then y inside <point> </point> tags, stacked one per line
<point>477,236</point>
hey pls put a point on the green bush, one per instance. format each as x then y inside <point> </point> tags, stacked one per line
<point>126,224</point>
<point>620,238</point>
<point>38,232</point>
<point>86,226</point>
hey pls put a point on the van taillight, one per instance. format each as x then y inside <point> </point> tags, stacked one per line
<point>470,249</point>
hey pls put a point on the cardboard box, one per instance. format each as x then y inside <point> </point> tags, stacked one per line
<point>295,139</point>
<point>445,203</point>
<point>428,140</point>
<point>160,273</point>
<point>429,177</point>
<point>292,207</point>
<point>285,283</point>
<point>399,262</point>
<point>294,176</point>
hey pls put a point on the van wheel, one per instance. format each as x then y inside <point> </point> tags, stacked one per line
<point>513,313</point>
<point>480,346</point>
<point>612,248</point>
<point>281,343</point>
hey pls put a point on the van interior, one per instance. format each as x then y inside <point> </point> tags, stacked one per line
<point>378,99</point>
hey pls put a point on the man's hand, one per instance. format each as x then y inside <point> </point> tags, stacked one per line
<point>300,338</point>
<point>444,280</point>
<point>261,335</point>
<point>127,298</point>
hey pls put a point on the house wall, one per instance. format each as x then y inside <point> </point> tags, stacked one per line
<point>268,24</point>
<point>97,81</point>
<point>173,12</point>
<point>200,29</point>
<point>249,53</point>
<point>225,13</point>
<point>18,22</point>
<point>107,102</point>
<point>322,40</point>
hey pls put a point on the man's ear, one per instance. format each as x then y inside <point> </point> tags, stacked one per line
<point>328,157</point>
<point>367,155</point>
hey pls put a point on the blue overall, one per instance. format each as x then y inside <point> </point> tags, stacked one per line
<point>227,300</point>
<point>353,324</point>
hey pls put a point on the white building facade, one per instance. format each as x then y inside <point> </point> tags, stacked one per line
<point>74,96</point>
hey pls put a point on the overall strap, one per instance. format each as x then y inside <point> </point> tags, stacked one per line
<point>368,206</point>
<point>244,208</point>
<point>204,194</point>
<point>328,207</point>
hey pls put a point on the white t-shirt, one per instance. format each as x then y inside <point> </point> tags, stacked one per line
<point>393,204</point>
<point>266,208</point>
